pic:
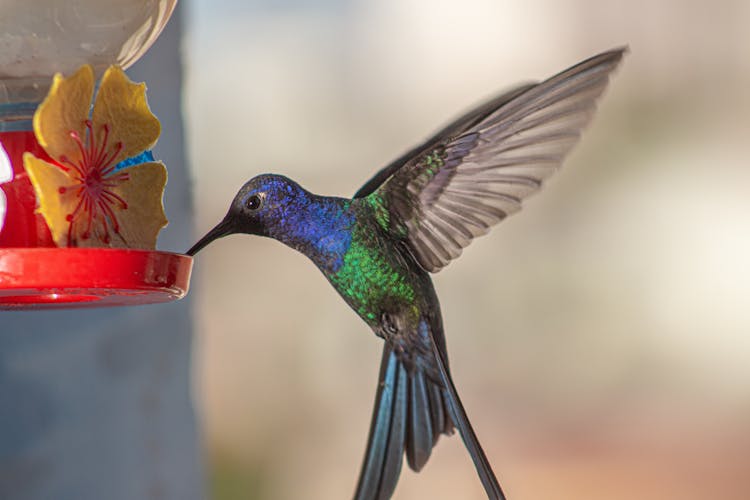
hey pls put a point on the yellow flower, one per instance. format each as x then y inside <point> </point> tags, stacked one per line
<point>86,200</point>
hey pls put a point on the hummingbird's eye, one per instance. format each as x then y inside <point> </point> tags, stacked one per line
<point>254,202</point>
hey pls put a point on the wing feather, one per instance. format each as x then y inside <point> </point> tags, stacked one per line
<point>479,169</point>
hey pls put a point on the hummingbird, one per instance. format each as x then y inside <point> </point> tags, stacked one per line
<point>411,219</point>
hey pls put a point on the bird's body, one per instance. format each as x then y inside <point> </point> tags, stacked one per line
<point>413,217</point>
<point>345,241</point>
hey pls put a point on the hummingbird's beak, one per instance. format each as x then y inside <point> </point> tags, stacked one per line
<point>223,228</point>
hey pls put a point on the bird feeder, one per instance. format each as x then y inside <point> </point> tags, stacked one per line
<point>80,191</point>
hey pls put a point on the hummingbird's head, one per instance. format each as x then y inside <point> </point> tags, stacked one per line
<point>258,206</point>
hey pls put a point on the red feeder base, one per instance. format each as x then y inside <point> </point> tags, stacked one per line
<point>61,278</point>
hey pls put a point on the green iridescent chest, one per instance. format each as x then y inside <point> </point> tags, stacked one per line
<point>373,277</point>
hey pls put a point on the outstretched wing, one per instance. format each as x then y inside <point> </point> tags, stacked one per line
<point>477,171</point>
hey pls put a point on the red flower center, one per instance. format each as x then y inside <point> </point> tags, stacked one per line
<point>94,177</point>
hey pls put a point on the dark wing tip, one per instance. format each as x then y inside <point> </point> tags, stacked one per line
<point>605,61</point>
<point>613,55</point>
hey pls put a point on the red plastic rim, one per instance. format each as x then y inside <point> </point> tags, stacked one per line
<point>56,278</point>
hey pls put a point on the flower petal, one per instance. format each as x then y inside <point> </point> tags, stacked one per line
<point>133,225</point>
<point>121,105</point>
<point>144,216</point>
<point>65,110</point>
<point>48,181</point>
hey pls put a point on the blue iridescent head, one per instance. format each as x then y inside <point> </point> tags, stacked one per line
<point>256,209</point>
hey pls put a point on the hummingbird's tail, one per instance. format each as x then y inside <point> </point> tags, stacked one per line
<point>411,411</point>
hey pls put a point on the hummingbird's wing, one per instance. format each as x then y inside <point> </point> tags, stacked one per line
<point>459,185</point>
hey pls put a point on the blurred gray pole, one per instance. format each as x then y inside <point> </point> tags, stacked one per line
<point>96,404</point>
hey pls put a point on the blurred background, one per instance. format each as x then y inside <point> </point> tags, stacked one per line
<point>600,338</point>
